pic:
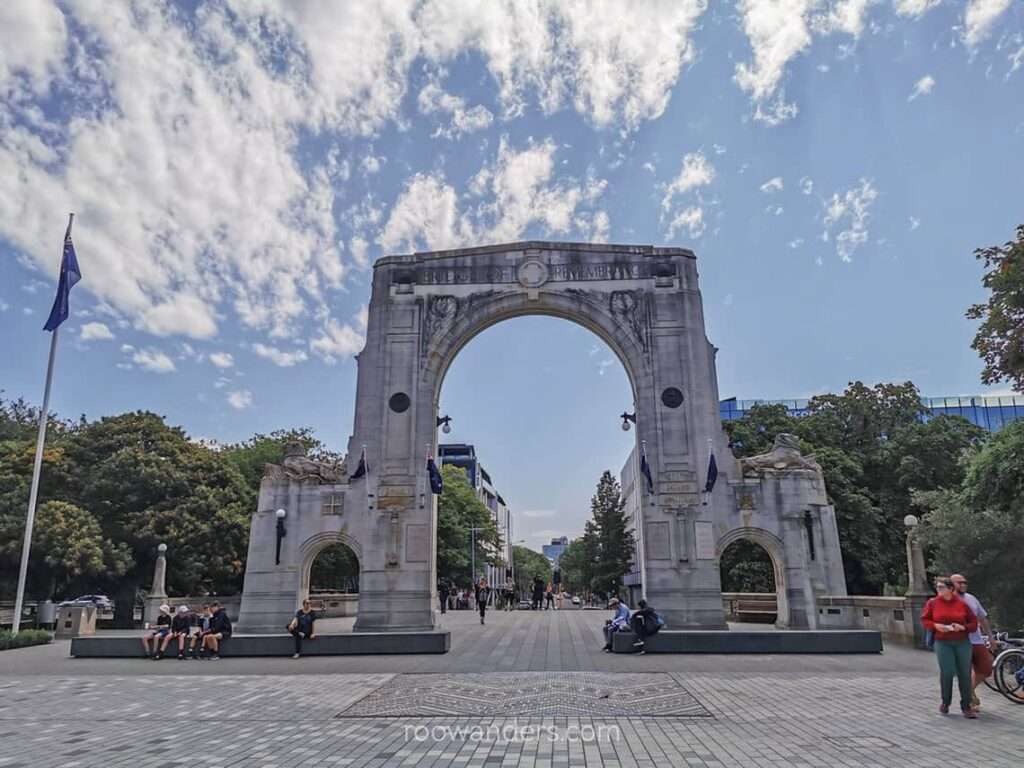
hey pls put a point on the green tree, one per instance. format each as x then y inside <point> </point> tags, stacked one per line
<point>458,510</point>
<point>529,565</point>
<point>577,566</point>
<point>755,432</point>
<point>615,542</point>
<point>1000,337</point>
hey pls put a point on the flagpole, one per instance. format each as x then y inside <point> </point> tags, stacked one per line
<point>641,544</point>
<point>34,493</point>
<point>706,495</point>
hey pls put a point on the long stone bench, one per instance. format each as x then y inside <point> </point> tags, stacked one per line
<point>782,641</point>
<point>349,644</point>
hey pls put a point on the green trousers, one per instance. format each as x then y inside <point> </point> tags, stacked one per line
<point>955,661</point>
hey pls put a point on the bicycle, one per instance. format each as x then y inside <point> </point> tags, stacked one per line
<point>1008,668</point>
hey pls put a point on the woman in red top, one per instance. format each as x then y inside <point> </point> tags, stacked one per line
<point>952,621</point>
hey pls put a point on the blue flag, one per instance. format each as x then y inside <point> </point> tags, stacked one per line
<point>712,474</point>
<point>69,275</point>
<point>645,470</point>
<point>436,483</point>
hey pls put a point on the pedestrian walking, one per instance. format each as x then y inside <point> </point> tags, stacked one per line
<point>482,592</point>
<point>442,592</point>
<point>510,593</point>
<point>549,597</point>
<point>981,639</point>
<point>538,593</point>
<point>952,621</point>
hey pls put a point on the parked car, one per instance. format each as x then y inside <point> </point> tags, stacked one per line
<point>575,599</point>
<point>103,603</point>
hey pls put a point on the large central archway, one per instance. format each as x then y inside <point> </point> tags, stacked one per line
<point>644,302</point>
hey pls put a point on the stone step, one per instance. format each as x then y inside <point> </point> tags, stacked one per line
<point>781,641</point>
<point>350,644</point>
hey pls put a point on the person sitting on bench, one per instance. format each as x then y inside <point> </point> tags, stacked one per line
<point>196,644</point>
<point>645,622</point>
<point>181,625</point>
<point>220,631</point>
<point>302,626</point>
<point>618,623</point>
<point>157,634</point>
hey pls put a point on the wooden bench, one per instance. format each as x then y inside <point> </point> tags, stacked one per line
<point>756,609</point>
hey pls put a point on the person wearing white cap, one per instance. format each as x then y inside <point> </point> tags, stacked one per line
<point>156,635</point>
<point>181,625</point>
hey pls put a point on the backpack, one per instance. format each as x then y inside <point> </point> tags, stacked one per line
<point>658,621</point>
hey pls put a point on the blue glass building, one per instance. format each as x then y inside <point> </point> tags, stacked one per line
<point>989,413</point>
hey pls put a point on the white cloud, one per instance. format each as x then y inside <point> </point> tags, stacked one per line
<point>806,185</point>
<point>1017,58</point>
<point>433,98</point>
<point>604,365</point>
<point>851,209</point>
<point>922,87</point>
<point>772,185</point>
<point>914,223</point>
<point>341,341</point>
<point>518,191</point>
<point>280,357</point>
<point>240,399</point>
<point>371,164</point>
<point>4,306</point>
<point>126,348</point>
<point>221,382</point>
<point>780,30</point>
<point>696,172</point>
<point>915,8</point>
<point>537,513</point>
<point>648,166</point>
<point>34,38</point>
<point>796,242</point>
<point>222,359</point>
<point>979,18</point>
<point>95,332</point>
<point>153,360</point>
<point>719,149</point>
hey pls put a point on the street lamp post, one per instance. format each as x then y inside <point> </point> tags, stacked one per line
<point>472,552</point>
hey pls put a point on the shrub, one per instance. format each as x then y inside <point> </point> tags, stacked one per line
<point>23,639</point>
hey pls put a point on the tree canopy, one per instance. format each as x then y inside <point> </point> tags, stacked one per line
<point>1000,337</point>
<point>458,510</point>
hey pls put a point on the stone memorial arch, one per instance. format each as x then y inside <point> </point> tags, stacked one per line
<point>645,303</point>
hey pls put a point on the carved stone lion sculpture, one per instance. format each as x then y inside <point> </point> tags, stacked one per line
<point>785,454</point>
<point>298,466</point>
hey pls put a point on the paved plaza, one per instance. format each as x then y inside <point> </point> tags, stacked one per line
<point>527,689</point>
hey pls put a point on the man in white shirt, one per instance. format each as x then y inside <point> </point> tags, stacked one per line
<point>981,639</point>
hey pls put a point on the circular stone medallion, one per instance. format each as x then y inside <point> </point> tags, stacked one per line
<point>399,402</point>
<point>533,273</point>
<point>672,397</point>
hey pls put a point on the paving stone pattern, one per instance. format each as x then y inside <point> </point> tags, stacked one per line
<point>530,694</point>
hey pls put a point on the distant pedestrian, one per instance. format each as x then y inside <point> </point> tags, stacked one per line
<point>442,591</point>
<point>619,622</point>
<point>510,594</point>
<point>981,639</point>
<point>549,597</point>
<point>952,621</point>
<point>158,633</point>
<point>220,630</point>
<point>538,593</point>
<point>645,622</point>
<point>482,592</point>
<point>301,626</point>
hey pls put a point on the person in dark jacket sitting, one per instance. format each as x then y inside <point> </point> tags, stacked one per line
<point>644,622</point>
<point>302,626</point>
<point>220,630</point>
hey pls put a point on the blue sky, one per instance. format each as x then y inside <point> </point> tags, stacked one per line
<point>236,167</point>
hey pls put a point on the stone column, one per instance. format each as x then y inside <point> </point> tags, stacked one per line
<point>157,595</point>
<point>918,592</point>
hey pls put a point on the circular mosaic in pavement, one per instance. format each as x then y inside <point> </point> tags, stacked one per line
<point>533,694</point>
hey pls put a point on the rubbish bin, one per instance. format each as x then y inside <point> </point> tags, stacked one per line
<point>76,621</point>
<point>46,615</point>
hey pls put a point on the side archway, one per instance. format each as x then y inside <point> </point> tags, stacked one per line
<point>313,547</point>
<point>776,550</point>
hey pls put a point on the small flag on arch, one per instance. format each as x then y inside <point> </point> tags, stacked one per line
<point>645,468</point>
<point>69,275</point>
<point>362,468</point>
<point>436,482</point>
<point>709,486</point>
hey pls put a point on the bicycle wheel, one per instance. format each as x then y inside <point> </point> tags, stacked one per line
<point>1009,674</point>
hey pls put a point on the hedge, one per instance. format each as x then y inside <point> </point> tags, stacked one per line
<point>23,639</point>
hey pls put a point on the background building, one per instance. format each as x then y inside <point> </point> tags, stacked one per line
<point>463,455</point>
<point>631,497</point>
<point>554,550</point>
<point>990,413</point>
